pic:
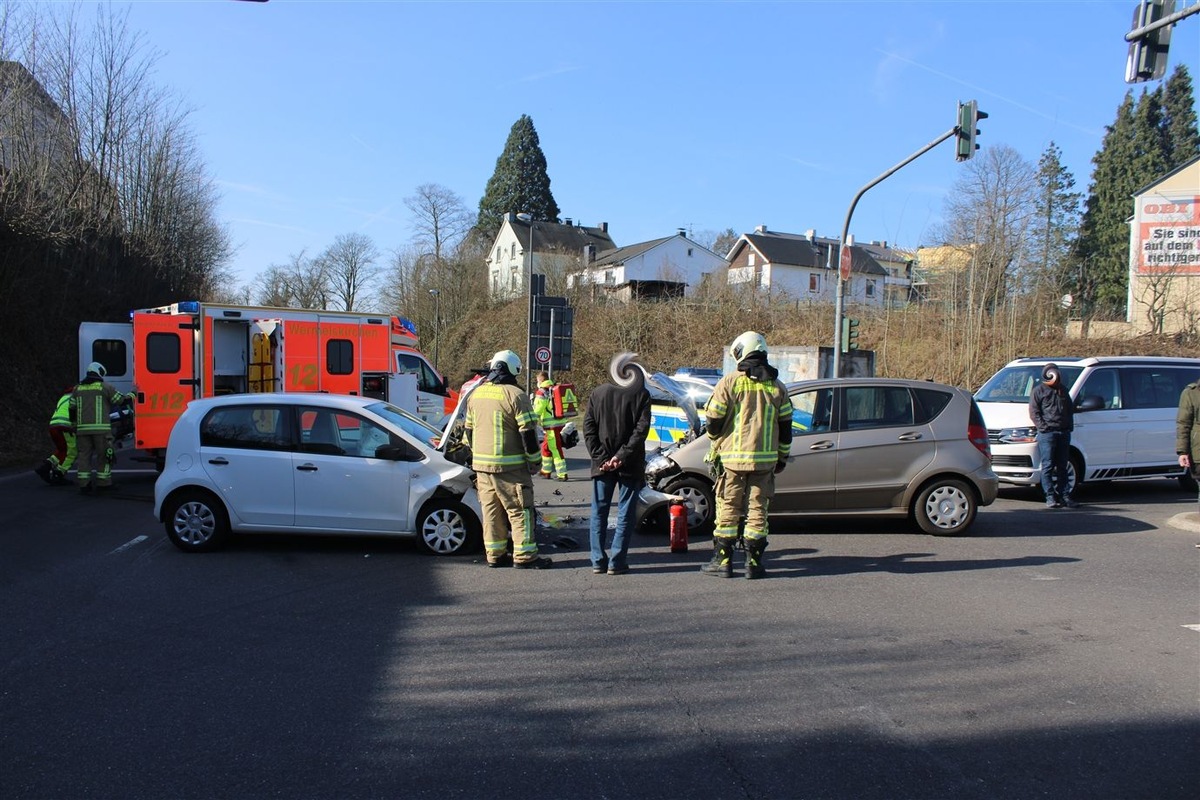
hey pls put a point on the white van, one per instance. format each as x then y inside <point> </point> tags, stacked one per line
<point>1125,409</point>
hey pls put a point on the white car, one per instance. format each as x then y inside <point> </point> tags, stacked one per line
<point>312,463</point>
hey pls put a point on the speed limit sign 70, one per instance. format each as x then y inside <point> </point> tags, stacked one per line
<point>542,354</point>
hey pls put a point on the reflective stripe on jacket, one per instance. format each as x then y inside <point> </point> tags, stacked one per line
<point>756,409</point>
<point>497,415</point>
<point>93,401</point>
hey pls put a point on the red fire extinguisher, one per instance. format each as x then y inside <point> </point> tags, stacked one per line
<point>678,527</point>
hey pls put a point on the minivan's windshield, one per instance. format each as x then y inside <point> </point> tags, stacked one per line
<point>1015,384</point>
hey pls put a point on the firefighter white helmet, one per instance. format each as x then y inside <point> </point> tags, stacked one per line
<point>749,342</point>
<point>96,368</point>
<point>509,359</point>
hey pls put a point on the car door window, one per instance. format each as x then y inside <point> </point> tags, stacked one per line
<point>877,407</point>
<point>930,403</point>
<point>426,380</point>
<point>812,411</point>
<point>249,427</point>
<point>325,432</point>
<point>1104,384</point>
<point>1150,387</point>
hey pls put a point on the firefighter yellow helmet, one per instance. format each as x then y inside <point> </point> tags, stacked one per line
<point>749,342</point>
<point>96,368</point>
<point>510,360</point>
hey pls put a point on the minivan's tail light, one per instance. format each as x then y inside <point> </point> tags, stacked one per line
<point>977,431</point>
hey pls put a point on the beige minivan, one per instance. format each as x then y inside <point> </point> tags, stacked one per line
<point>862,447</point>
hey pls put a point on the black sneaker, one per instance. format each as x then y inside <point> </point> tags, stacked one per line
<point>541,562</point>
<point>1067,502</point>
<point>618,570</point>
<point>1052,502</point>
<point>599,569</point>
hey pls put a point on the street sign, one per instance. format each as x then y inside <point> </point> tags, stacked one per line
<point>845,262</point>
<point>542,355</point>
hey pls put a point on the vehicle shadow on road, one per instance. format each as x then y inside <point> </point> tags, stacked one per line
<point>899,563</point>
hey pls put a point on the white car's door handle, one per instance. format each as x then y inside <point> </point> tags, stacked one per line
<point>219,461</point>
<point>909,437</point>
<point>822,445</point>
<point>307,467</point>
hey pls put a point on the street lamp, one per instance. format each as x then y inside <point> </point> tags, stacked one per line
<point>437,323</point>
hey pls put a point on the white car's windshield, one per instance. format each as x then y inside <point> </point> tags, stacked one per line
<point>1015,384</point>
<point>416,427</point>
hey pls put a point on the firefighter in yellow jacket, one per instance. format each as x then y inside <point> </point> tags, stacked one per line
<point>750,427</point>
<point>502,431</point>
<point>554,459</point>
<point>92,402</point>
<point>62,433</point>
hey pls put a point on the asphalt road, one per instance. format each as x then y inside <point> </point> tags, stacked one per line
<point>1048,654</point>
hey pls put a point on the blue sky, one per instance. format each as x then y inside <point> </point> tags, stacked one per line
<point>319,118</point>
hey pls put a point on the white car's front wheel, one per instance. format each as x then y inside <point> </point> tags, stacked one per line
<point>448,528</point>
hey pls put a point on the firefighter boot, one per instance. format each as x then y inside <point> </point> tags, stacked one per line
<point>755,564</point>
<point>721,565</point>
<point>45,471</point>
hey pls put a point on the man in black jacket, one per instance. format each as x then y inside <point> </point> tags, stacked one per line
<point>1053,414</point>
<point>615,426</point>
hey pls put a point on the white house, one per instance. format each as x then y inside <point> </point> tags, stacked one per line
<point>669,267</point>
<point>524,247</point>
<point>804,267</point>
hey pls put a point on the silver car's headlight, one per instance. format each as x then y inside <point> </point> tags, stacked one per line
<point>1017,435</point>
<point>657,466</point>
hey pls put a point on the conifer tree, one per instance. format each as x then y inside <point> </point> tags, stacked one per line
<point>1179,119</point>
<point>1056,222</point>
<point>1104,237</point>
<point>519,184</point>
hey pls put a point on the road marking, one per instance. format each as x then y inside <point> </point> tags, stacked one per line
<point>134,541</point>
<point>1193,627</point>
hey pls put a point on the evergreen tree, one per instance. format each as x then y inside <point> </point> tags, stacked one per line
<point>1104,237</point>
<point>1056,223</point>
<point>520,183</point>
<point>1179,119</point>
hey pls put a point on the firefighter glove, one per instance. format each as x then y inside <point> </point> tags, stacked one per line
<point>779,465</point>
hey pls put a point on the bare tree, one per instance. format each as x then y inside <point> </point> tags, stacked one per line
<point>350,268</point>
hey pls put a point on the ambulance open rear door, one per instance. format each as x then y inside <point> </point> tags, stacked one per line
<point>266,355</point>
<point>164,373</point>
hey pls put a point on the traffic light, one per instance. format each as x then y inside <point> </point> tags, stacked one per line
<point>967,129</point>
<point>849,334</point>
<point>1147,60</point>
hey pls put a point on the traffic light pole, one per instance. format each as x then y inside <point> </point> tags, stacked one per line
<point>840,300</point>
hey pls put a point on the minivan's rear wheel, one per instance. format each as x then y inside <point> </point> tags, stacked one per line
<point>697,495</point>
<point>448,528</point>
<point>946,507</point>
<point>196,521</point>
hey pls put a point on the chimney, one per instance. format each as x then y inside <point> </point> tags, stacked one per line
<point>589,254</point>
<point>760,229</point>
<point>681,231</point>
<point>810,234</point>
<point>604,227</point>
<point>567,221</point>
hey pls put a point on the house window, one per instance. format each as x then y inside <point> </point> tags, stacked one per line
<point>497,255</point>
<point>814,284</point>
<point>689,252</point>
<point>609,278</point>
<point>870,288</point>
<point>496,280</point>
<point>513,252</point>
<point>750,259</point>
<point>516,281</point>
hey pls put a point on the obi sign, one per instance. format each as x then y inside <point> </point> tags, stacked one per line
<point>1169,235</point>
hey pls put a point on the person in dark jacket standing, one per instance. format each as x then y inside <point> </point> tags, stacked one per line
<point>615,427</point>
<point>1053,414</point>
<point>1187,428</point>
